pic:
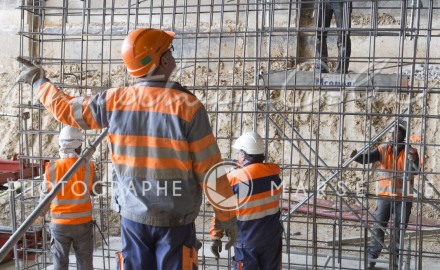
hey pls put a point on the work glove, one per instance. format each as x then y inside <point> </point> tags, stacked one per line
<point>353,153</point>
<point>216,248</point>
<point>198,244</point>
<point>231,232</point>
<point>30,74</point>
<point>230,228</point>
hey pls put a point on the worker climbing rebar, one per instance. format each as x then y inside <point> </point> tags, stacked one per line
<point>391,157</point>
<point>161,148</point>
<point>258,243</point>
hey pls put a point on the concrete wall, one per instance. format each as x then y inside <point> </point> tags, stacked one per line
<point>9,40</point>
<point>9,26</point>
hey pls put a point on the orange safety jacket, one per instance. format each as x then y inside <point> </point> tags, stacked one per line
<point>72,205</point>
<point>264,197</point>
<point>258,189</point>
<point>391,170</point>
<point>161,145</point>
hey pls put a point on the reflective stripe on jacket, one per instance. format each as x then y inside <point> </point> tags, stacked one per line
<point>258,189</point>
<point>72,205</point>
<point>161,147</point>
<point>391,171</point>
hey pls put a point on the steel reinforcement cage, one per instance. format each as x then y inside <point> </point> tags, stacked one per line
<point>252,64</point>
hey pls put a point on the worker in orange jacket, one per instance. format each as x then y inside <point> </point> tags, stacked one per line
<point>391,158</point>
<point>258,188</point>
<point>71,210</point>
<point>161,145</point>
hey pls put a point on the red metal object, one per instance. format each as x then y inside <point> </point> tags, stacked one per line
<point>33,240</point>
<point>10,169</point>
<point>330,212</point>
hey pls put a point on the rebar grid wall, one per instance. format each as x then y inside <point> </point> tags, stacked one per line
<point>252,65</point>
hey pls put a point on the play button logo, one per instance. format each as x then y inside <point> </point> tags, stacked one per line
<point>240,181</point>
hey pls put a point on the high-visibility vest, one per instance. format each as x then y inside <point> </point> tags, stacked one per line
<point>258,189</point>
<point>72,205</point>
<point>263,196</point>
<point>391,170</point>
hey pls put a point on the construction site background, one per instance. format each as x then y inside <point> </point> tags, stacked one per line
<point>252,65</point>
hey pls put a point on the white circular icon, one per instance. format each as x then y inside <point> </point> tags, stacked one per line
<point>216,180</point>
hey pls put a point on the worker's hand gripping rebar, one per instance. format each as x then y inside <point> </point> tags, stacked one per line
<point>31,72</point>
<point>25,62</point>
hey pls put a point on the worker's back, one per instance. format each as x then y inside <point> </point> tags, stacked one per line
<point>258,216</point>
<point>72,205</point>
<point>158,154</point>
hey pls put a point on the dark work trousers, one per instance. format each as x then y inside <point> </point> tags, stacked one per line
<point>342,11</point>
<point>153,247</point>
<point>80,236</point>
<point>384,209</point>
<point>267,257</point>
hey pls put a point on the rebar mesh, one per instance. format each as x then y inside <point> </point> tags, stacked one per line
<point>252,64</point>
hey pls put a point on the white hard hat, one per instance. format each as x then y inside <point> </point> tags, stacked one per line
<point>251,143</point>
<point>69,133</point>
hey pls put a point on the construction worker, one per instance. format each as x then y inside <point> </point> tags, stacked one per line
<point>161,146</point>
<point>342,11</point>
<point>258,244</point>
<point>71,210</point>
<point>391,158</point>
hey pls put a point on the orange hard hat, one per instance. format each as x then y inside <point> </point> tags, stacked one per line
<point>142,49</point>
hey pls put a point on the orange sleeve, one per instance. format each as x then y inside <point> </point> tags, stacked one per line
<point>223,191</point>
<point>74,111</point>
<point>216,234</point>
<point>205,156</point>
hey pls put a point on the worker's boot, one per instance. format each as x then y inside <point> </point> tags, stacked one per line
<point>198,244</point>
<point>321,55</point>
<point>371,266</point>
<point>322,67</point>
<point>371,262</point>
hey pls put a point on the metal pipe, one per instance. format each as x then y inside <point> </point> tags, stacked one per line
<point>13,218</point>
<point>407,165</point>
<point>348,162</point>
<point>317,171</point>
<point>284,218</point>
<point>412,19</point>
<point>85,157</point>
